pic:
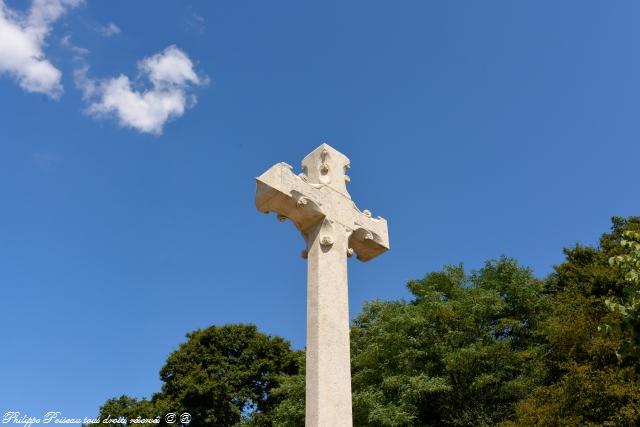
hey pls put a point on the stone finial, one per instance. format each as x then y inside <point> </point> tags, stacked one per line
<point>326,165</point>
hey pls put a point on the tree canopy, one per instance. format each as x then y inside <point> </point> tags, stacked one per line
<point>586,383</point>
<point>222,376</point>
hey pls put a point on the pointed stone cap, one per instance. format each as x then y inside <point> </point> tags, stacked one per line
<point>326,165</point>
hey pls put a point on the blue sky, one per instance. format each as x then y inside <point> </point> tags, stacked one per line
<point>476,128</point>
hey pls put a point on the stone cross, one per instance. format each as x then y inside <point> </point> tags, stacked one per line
<point>318,203</point>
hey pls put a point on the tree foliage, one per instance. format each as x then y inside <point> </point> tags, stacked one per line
<point>586,384</point>
<point>461,352</point>
<point>628,307</point>
<point>222,376</point>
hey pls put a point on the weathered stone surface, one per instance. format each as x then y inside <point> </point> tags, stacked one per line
<point>318,203</point>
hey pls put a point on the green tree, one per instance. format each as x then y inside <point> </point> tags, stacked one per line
<point>585,384</point>
<point>222,376</point>
<point>129,408</point>
<point>583,396</point>
<point>291,394</point>
<point>629,306</point>
<point>460,353</point>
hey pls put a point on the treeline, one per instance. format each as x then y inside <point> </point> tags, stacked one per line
<point>492,347</point>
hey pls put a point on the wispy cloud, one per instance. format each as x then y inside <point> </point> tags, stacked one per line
<point>79,53</point>
<point>109,30</point>
<point>172,76</point>
<point>22,38</point>
<point>194,22</point>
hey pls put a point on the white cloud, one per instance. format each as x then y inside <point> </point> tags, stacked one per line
<point>22,37</point>
<point>171,75</point>
<point>109,30</point>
